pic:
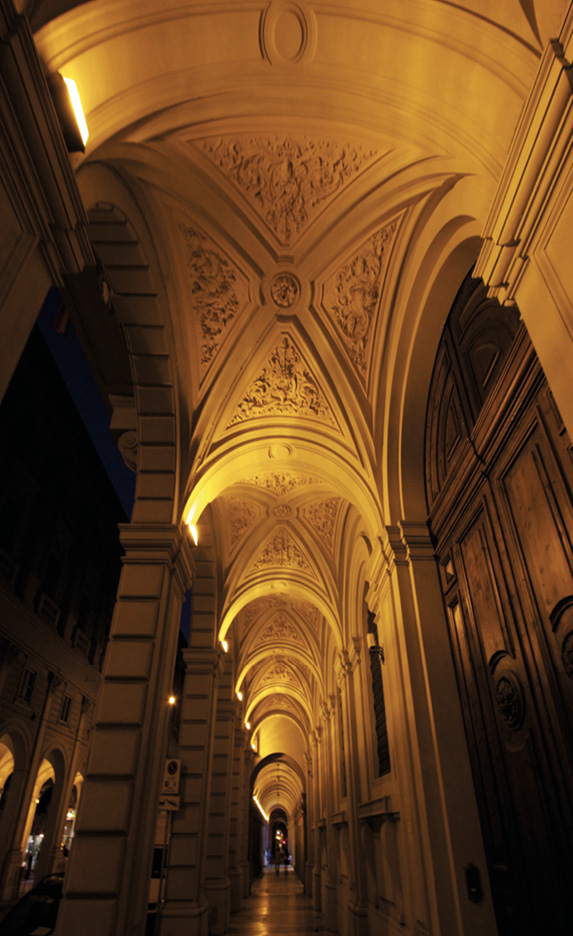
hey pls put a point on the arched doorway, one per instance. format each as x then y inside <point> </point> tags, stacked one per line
<point>499,483</point>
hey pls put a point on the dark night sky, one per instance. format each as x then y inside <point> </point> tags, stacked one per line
<point>71,362</point>
<point>69,357</point>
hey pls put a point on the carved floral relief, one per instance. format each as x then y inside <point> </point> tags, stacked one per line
<point>281,551</point>
<point>287,181</point>
<point>322,518</point>
<point>280,628</point>
<point>241,514</point>
<point>285,387</point>
<point>352,295</point>
<point>280,483</point>
<point>218,291</point>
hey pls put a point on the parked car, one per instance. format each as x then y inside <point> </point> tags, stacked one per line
<point>36,912</point>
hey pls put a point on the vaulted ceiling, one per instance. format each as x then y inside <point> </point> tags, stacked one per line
<point>298,169</point>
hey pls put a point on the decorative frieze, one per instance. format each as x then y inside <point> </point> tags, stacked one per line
<point>280,483</point>
<point>287,181</point>
<point>218,291</point>
<point>280,672</point>
<point>352,295</point>
<point>285,387</point>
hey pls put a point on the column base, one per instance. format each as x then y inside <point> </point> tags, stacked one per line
<point>317,891</point>
<point>331,909</point>
<point>185,918</point>
<point>308,878</point>
<point>236,881</point>
<point>357,919</point>
<point>11,876</point>
<point>218,894</point>
<point>246,879</point>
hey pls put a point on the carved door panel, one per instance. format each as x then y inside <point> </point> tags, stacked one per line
<point>501,511</point>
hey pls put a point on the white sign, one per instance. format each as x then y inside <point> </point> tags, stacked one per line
<point>171,776</point>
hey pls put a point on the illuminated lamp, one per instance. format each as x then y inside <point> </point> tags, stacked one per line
<point>70,113</point>
<point>225,645</point>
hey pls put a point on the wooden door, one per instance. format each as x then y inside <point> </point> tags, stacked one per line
<point>499,476</point>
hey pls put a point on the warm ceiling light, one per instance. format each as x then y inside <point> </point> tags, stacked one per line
<point>239,695</point>
<point>225,645</point>
<point>78,109</point>
<point>172,700</point>
<point>194,533</point>
<point>253,745</point>
<point>261,810</point>
<point>248,725</point>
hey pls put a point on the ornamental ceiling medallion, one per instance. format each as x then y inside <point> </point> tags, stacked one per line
<point>321,516</point>
<point>351,296</point>
<point>285,387</point>
<point>287,181</point>
<point>281,552</point>
<point>218,291</point>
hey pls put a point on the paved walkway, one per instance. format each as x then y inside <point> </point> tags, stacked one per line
<point>276,907</point>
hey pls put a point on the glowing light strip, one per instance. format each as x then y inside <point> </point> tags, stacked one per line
<point>78,109</point>
<point>261,810</point>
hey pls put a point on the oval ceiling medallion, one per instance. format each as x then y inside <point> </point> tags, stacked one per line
<point>287,32</point>
<point>285,290</point>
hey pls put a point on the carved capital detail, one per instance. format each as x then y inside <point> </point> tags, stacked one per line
<point>128,445</point>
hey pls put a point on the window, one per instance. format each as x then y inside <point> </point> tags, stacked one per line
<point>27,687</point>
<point>376,658</point>
<point>65,710</point>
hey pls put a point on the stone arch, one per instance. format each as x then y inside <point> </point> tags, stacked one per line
<point>148,423</point>
<point>455,249</point>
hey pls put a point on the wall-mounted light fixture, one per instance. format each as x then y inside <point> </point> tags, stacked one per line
<point>239,695</point>
<point>67,102</point>
<point>225,645</point>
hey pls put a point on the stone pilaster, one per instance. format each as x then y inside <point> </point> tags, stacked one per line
<point>217,884</point>
<point>235,871</point>
<point>357,907</point>
<point>107,882</point>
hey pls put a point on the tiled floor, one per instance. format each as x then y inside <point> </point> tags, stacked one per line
<point>276,907</point>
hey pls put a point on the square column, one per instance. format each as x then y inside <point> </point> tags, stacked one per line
<point>217,885</point>
<point>107,881</point>
<point>186,907</point>
<point>235,870</point>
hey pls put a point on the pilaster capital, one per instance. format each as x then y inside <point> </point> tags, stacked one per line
<point>528,189</point>
<point>159,543</point>
<point>204,661</point>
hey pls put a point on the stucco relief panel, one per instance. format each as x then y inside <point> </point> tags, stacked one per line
<point>218,291</point>
<point>285,387</point>
<point>240,515</point>
<point>280,628</point>
<point>282,552</point>
<point>321,516</point>
<point>281,483</point>
<point>286,180</point>
<point>351,296</point>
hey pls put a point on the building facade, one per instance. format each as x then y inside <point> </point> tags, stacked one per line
<point>318,257</point>
<point>61,559</point>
